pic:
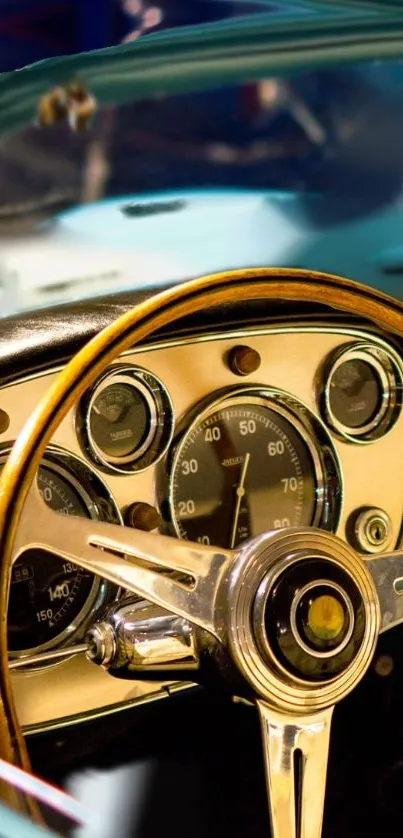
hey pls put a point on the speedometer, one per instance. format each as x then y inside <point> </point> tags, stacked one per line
<point>46,594</point>
<point>50,599</point>
<point>249,463</point>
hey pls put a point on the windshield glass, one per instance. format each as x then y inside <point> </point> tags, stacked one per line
<point>304,171</point>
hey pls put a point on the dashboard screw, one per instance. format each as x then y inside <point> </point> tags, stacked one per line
<point>4,421</point>
<point>243,360</point>
<point>142,516</point>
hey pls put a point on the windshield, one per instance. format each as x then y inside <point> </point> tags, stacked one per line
<point>304,171</point>
<point>32,30</point>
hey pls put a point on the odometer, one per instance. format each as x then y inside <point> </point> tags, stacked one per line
<point>246,465</point>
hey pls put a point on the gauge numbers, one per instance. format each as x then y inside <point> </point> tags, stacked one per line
<point>243,468</point>
<point>46,594</point>
<point>51,598</point>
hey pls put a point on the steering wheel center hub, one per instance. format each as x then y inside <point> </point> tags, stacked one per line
<point>309,617</point>
<point>303,618</point>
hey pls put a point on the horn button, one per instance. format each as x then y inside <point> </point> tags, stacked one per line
<point>302,618</point>
<point>311,619</point>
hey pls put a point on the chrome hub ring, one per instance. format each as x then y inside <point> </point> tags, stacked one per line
<point>336,607</point>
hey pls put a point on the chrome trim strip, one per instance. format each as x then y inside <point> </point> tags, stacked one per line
<point>53,656</point>
<point>152,695</point>
<point>361,332</point>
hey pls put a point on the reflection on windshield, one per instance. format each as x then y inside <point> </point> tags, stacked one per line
<point>304,157</point>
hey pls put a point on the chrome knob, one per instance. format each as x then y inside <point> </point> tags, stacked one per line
<point>101,644</point>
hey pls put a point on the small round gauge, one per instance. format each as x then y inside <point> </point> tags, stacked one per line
<point>355,393</point>
<point>250,463</point>
<point>122,420</point>
<point>50,598</point>
<point>126,421</point>
<point>361,398</point>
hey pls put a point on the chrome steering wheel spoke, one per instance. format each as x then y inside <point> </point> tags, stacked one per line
<point>180,576</point>
<point>387,572</point>
<point>295,755</point>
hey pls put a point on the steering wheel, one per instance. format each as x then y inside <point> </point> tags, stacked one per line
<point>243,599</point>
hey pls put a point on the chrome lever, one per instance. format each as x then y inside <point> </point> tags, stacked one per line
<point>140,637</point>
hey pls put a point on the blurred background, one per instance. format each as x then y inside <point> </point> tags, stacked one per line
<point>305,170</point>
<point>34,29</point>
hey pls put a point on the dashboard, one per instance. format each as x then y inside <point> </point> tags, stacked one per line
<point>214,437</point>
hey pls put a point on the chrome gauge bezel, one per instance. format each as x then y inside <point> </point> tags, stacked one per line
<point>389,372</point>
<point>101,505</point>
<point>294,625</point>
<point>313,432</point>
<point>124,378</point>
<point>161,424</point>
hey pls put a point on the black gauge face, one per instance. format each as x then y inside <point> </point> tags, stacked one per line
<point>47,594</point>
<point>125,423</point>
<point>242,470</point>
<point>355,393</point>
<point>120,420</point>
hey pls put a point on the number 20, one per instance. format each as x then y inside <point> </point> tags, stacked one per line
<point>186,507</point>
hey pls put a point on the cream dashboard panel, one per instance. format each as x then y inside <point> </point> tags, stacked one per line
<point>291,360</point>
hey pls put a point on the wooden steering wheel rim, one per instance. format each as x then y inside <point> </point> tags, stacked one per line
<point>130,329</point>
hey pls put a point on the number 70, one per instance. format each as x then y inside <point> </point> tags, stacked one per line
<point>290,484</point>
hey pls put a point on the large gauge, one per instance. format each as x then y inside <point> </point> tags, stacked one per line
<point>253,461</point>
<point>50,599</point>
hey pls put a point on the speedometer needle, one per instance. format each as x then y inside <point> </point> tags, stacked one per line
<point>240,491</point>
